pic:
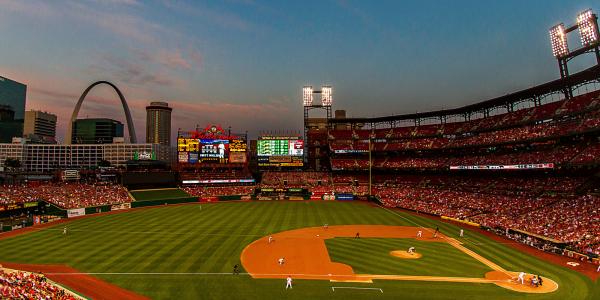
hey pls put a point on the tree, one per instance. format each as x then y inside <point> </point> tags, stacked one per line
<point>104,163</point>
<point>12,163</point>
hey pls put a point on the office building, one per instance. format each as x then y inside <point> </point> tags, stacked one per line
<point>40,126</point>
<point>158,123</point>
<point>96,131</point>
<point>12,109</point>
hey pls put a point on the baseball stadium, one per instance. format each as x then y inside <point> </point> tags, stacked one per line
<point>496,199</point>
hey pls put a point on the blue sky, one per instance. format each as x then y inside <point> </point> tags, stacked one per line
<point>243,62</point>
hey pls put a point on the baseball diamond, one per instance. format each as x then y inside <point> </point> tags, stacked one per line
<point>183,252</point>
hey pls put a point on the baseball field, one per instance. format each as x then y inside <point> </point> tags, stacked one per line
<point>188,252</point>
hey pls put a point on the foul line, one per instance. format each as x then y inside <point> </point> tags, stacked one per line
<point>456,244</point>
<point>354,288</point>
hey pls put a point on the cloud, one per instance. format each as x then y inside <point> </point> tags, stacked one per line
<point>218,17</point>
<point>175,59</point>
<point>100,15</point>
<point>118,2</point>
<point>131,72</point>
<point>37,9</point>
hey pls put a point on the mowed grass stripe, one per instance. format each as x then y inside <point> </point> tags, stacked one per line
<point>221,243</point>
<point>107,236</point>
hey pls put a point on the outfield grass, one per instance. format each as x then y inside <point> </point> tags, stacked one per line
<point>193,239</point>
<point>161,194</point>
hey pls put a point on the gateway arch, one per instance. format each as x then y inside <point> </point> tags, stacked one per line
<point>132,136</point>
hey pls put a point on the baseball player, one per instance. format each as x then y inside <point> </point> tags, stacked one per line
<point>521,278</point>
<point>437,229</point>
<point>411,250</point>
<point>281,261</point>
<point>419,233</point>
<point>357,236</point>
<point>288,284</point>
<point>65,230</point>
<point>270,239</point>
<point>462,233</point>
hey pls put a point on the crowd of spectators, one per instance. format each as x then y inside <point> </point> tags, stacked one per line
<point>212,191</point>
<point>569,154</point>
<point>25,285</point>
<point>65,194</point>
<point>296,179</point>
<point>544,207</point>
<point>583,111</point>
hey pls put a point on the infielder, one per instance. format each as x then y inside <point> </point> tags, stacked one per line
<point>288,282</point>
<point>270,239</point>
<point>462,233</point>
<point>281,261</point>
<point>419,233</point>
<point>521,278</point>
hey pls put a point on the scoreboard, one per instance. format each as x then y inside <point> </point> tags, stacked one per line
<point>276,151</point>
<point>280,147</point>
<point>194,150</point>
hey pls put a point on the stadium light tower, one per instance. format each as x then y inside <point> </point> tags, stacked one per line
<point>307,101</point>
<point>587,25</point>
<point>326,95</point>
<point>307,95</point>
<point>558,38</point>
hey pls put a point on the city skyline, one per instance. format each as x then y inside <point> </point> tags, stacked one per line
<point>232,63</point>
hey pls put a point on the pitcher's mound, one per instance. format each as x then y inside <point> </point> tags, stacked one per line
<point>405,254</point>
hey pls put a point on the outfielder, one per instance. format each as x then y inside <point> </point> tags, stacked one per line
<point>288,282</point>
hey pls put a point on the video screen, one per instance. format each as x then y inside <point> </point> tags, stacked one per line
<point>194,151</point>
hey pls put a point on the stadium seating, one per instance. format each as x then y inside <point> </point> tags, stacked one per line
<point>25,285</point>
<point>66,194</point>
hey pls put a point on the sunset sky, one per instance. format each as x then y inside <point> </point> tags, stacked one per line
<point>242,63</point>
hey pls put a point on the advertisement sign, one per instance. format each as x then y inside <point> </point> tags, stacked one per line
<point>183,157</point>
<point>120,206</point>
<point>344,197</point>
<point>237,157</point>
<point>76,212</point>
<point>193,157</point>
<point>143,155</point>
<point>505,167</point>
<point>30,204</point>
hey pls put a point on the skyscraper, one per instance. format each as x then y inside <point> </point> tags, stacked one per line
<point>40,126</point>
<point>96,131</point>
<point>12,109</point>
<point>158,123</point>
